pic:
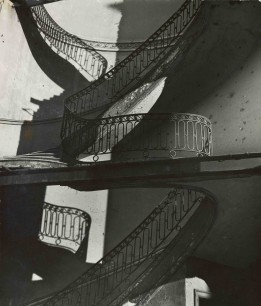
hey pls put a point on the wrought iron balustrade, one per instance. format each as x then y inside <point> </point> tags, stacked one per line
<point>138,136</point>
<point>112,279</point>
<point>74,48</point>
<point>65,227</point>
<point>123,77</point>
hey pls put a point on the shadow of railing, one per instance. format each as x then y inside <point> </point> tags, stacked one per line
<point>146,254</point>
<point>62,72</point>
<point>56,68</point>
<point>68,45</point>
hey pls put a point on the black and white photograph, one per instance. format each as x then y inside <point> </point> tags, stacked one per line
<point>130,153</point>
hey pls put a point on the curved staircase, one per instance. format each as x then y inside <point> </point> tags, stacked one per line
<point>71,47</point>
<point>124,77</point>
<point>95,137</point>
<point>147,257</point>
<point>162,242</point>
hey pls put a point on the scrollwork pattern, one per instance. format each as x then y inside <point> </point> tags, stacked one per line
<point>179,135</point>
<point>123,269</point>
<point>64,227</point>
<point>132,70</point>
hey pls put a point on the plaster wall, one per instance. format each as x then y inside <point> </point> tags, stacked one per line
<point>22,79</point>
<point>234,239</point>
<point>213,284</point>
<point>223,88</point>
<point>35,80</point>
<point>37,83</point>
<point>113,21</point>
<point>21,137</point>
<point>10,138</point>
<point>127,208</point>
<point>219,77</point>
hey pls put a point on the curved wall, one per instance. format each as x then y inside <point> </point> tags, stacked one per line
<point>219,77</point>
<point>21,137</point>
<point>113,21</point>
<point>34,79</point>
<point>24,85</point>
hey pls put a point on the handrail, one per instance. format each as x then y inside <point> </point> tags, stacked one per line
<point>116,81</point>
<point>159,135</point>
<point>65,227</point>
<point>125,267</point>
<point>120,80</point>
<point>74,48</point>
<point>43,299</point>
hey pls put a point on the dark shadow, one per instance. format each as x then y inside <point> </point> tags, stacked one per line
<point>55,67</point>
<point>139,19</point>
<point>22,206</point>
<point>195,77</point>
<point>87,59</point>
<point>228,286</point>
<point>209,57</point>
<point>189,83</point>
<point>59,71</point>
<point>220,50</point>
<point>22,211</point>
<point>142,18</point>
<point>122,212</point>
<point>22,254</point>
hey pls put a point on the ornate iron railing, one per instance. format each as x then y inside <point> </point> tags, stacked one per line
<point>131,68</point>
<point>65,227</point>
<point>123,77</point>
<point>112,279</point>
<point>71,46</point>
<point>149,135</point>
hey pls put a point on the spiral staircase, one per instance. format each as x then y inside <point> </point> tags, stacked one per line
<point>156,249</point>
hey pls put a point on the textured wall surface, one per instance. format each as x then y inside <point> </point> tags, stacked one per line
<point>218,77</point>
<point>113,21</point>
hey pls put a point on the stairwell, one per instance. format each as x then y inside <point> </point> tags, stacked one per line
<point>159,246</point>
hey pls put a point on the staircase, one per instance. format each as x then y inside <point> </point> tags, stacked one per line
<point>106,135</point>
<point>72,48</point>
<point>124,77</point>
<point>147,257</point>
<point>141,136</point>
<point>156,248</point>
